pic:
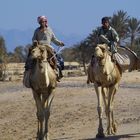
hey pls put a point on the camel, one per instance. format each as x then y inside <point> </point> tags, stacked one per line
<point>43,84</point>
<point>107,76</point>
<point>125,58</point>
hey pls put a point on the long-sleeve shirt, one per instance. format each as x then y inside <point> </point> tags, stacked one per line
<point>45,37</point>
<point>109,33</point>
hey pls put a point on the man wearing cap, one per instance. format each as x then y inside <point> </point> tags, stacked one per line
<point>44,36</point>
<point>108,35</point>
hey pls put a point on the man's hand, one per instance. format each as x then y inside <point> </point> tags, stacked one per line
<point>62,44</point>
<point>104,39</point>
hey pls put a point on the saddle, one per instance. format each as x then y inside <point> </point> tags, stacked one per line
<point>126,58</point>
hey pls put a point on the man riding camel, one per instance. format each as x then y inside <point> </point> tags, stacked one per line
<point>44,36</point>
<point>123,57</point>
<point>108,35</point>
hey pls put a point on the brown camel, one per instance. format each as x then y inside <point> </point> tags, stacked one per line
<point>43,83</point>
<point>106,81</point>
<point>125,58</point>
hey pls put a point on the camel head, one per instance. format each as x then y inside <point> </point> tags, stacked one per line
<point>101,52</point>
<point>39,52</point>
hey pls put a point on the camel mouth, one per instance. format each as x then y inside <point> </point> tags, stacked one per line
<point>99,58</point>
<point>33,57</point>
<point>100,61</point>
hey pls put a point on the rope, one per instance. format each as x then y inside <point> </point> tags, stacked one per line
<point>54,55</point>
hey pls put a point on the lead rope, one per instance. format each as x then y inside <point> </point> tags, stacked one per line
<point>54,55</point>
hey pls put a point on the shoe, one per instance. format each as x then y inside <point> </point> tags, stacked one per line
<point>57,75</point>
<point>61,76</point>
<point>58,78</point>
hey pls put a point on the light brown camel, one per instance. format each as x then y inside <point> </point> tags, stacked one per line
<point>106,81</point>
<point>125,58</point>
<point>43,83</point>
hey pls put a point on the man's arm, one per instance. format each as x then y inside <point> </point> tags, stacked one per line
<point>55,40</point>
<point>34,36</point>
<point>115,35</point>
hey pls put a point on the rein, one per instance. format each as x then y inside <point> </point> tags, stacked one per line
<point>54,55</point>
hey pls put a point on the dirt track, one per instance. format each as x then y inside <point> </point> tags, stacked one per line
<point>73,112</point>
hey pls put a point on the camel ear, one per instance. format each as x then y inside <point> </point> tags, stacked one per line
<point>42,49</point>
<point>35,43</point>
<point>106,46</point>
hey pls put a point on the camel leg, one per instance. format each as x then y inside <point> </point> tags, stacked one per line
<point>105,93</point>
<point>40,115</point>
<point>111,129</point>
<point>114,124</point>
<point>98,89</point>
<point>47,105</point>
<point>90,74</point>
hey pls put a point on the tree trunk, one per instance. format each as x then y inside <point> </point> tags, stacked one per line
<point>84,65</point>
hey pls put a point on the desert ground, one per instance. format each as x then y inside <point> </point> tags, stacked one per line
<point>73,112</point>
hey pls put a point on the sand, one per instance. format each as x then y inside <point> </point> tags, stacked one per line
<point>73,111</point>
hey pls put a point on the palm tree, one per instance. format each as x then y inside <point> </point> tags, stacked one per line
<point>85,53</point>
<point>92,39</point>
<point>18,54</point>
<point>133,30</point>
<point>3,58</point>
<point>3,50</point>
<point>119,22</point>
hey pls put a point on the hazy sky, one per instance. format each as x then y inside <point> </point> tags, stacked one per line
<point>67,16</point>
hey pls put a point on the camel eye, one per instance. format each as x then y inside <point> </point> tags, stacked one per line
<point>103,49</point>
<point>33,51</point>
<point>41,50</point>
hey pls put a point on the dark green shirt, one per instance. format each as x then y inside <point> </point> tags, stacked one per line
<point>109,33</point>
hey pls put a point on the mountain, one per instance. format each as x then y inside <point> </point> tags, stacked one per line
<point>15,37</point>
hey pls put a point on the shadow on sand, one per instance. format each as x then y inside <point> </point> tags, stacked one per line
<point>65,138</point>
<point>116,137</point>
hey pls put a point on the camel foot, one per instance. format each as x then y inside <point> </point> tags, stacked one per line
<point>47,137</point>
<point>111,131</point>
<point>42,139</point>
<point>100,135</point>
<point>39,139</point>
<point>115,127</point>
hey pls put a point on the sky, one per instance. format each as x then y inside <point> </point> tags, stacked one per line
<point>77,17</point>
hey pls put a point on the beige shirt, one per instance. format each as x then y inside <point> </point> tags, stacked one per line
<point>45,37</point>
